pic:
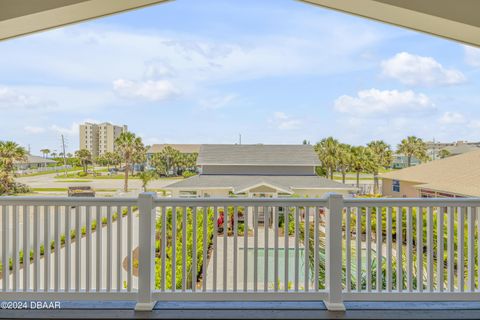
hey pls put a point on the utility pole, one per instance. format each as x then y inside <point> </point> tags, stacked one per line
<point>239,138</point>
<point>64,157</point>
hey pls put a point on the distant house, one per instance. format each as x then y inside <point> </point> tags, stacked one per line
<point>456,176</point>
<point>33,162</point>
<point>256,171</point>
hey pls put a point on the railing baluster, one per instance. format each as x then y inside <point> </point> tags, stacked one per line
<point>399,254</point>
<point>255,249</point>
<point>109,249</point>
<point>46,247</point>
<point>16,248</point>
<point>225,247</point>
<point>266,223</point>
<point>286,236</point>
<point>99,258</point>
<point>430,270</point>
<point>450,248</point>
<point>174,248</point>
<point>58,247</point>
<point>358,248</point>
<point>215,251</point>
<point>460,248</point>
<point>297,240</point>
<point>409,250</point>
<point>477,212</point>
<point>245,248</point>
<point>68,257</point>
<point>275,245</point>
<point>119,252</point>
<point>419,249</point>
<point>88,253</point>
<point>307,246</point>
<point>194,248</point>
<point>130,250</point>
<point>205,236</point>
<point>379,248</point>
<point>5,248</point>
<point>235,246</point>
<point>389,248</point>
<point>316,248</point>
<point>471,249</point>
<point>78,248</point>
<point>36,248</point>
<point>184,248</point>
<point>368,234</point>
<point>164,249</point>
<point>26,248</point>
<point>440,245</point>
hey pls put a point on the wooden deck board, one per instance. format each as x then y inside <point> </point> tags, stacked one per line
<point>253,310</point>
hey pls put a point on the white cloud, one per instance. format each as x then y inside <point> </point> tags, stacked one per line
<point>33,129</point>
<point>14,99</point>
<point>149,90</point>
<point>374,102</point>
<point>412,69</point>
<point>452,118</point>
<point>217,102</point>
<point>284,122</point>
<point>472,56</point>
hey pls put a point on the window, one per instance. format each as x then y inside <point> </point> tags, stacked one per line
<point>396,185</point>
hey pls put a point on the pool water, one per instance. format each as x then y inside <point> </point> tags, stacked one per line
<point>282,255</point>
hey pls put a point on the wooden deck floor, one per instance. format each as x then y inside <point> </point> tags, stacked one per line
<point>253,310</point>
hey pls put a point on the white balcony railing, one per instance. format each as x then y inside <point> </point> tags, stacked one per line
<point>331,249</point>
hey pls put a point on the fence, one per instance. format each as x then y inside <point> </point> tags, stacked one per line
<point>148,249</point>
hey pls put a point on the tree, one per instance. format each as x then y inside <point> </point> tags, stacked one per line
<point>344,159</point>
<point>10,152</point>
<point>444,153</point>
<point>127,145</point>
<point>45,152</point>
<point>362,161</point>
<point>382,159</point>
<point>167,161</point>
<point>327,151</point>
<point>146,177</point>
<point>413,147</point>
<point>85,158</point>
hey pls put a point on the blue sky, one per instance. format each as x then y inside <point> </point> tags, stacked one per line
<point>276,71</point>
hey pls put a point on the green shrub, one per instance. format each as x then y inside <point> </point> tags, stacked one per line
<point>188,174</point>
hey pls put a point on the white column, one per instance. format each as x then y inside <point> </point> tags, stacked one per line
<point>146,268</point>
<point>333,252</point>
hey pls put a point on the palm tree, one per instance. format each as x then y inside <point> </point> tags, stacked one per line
<point>128,145</point>
<point>45,152</point>
<point>383,159</point>
<point>10,152</point>
<point>85,157</point>
<point>344,159</point>
<point>327,151</point>
<point>413,147</point>
<point>362,161</point>
<point>146,177</point>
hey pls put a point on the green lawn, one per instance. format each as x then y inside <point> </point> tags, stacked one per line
<point>66,189</point>
<point>49,172</point>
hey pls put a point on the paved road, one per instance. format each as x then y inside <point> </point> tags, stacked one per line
<point>135,185</point>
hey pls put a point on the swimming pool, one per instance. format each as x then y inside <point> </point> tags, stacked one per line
<point>282,256</point>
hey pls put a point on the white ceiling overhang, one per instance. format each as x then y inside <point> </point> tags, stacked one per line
<point>457,20</point>
<point>21,17</point>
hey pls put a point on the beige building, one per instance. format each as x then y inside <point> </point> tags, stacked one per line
<point>455,176</point>
<point>99,138</point>
<point>257,171</point>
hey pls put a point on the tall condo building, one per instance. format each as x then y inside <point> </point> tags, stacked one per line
<point>99,138</point>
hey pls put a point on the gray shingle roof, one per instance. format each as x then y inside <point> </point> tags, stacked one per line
<point>258,154</point>
<point>239,182</point>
